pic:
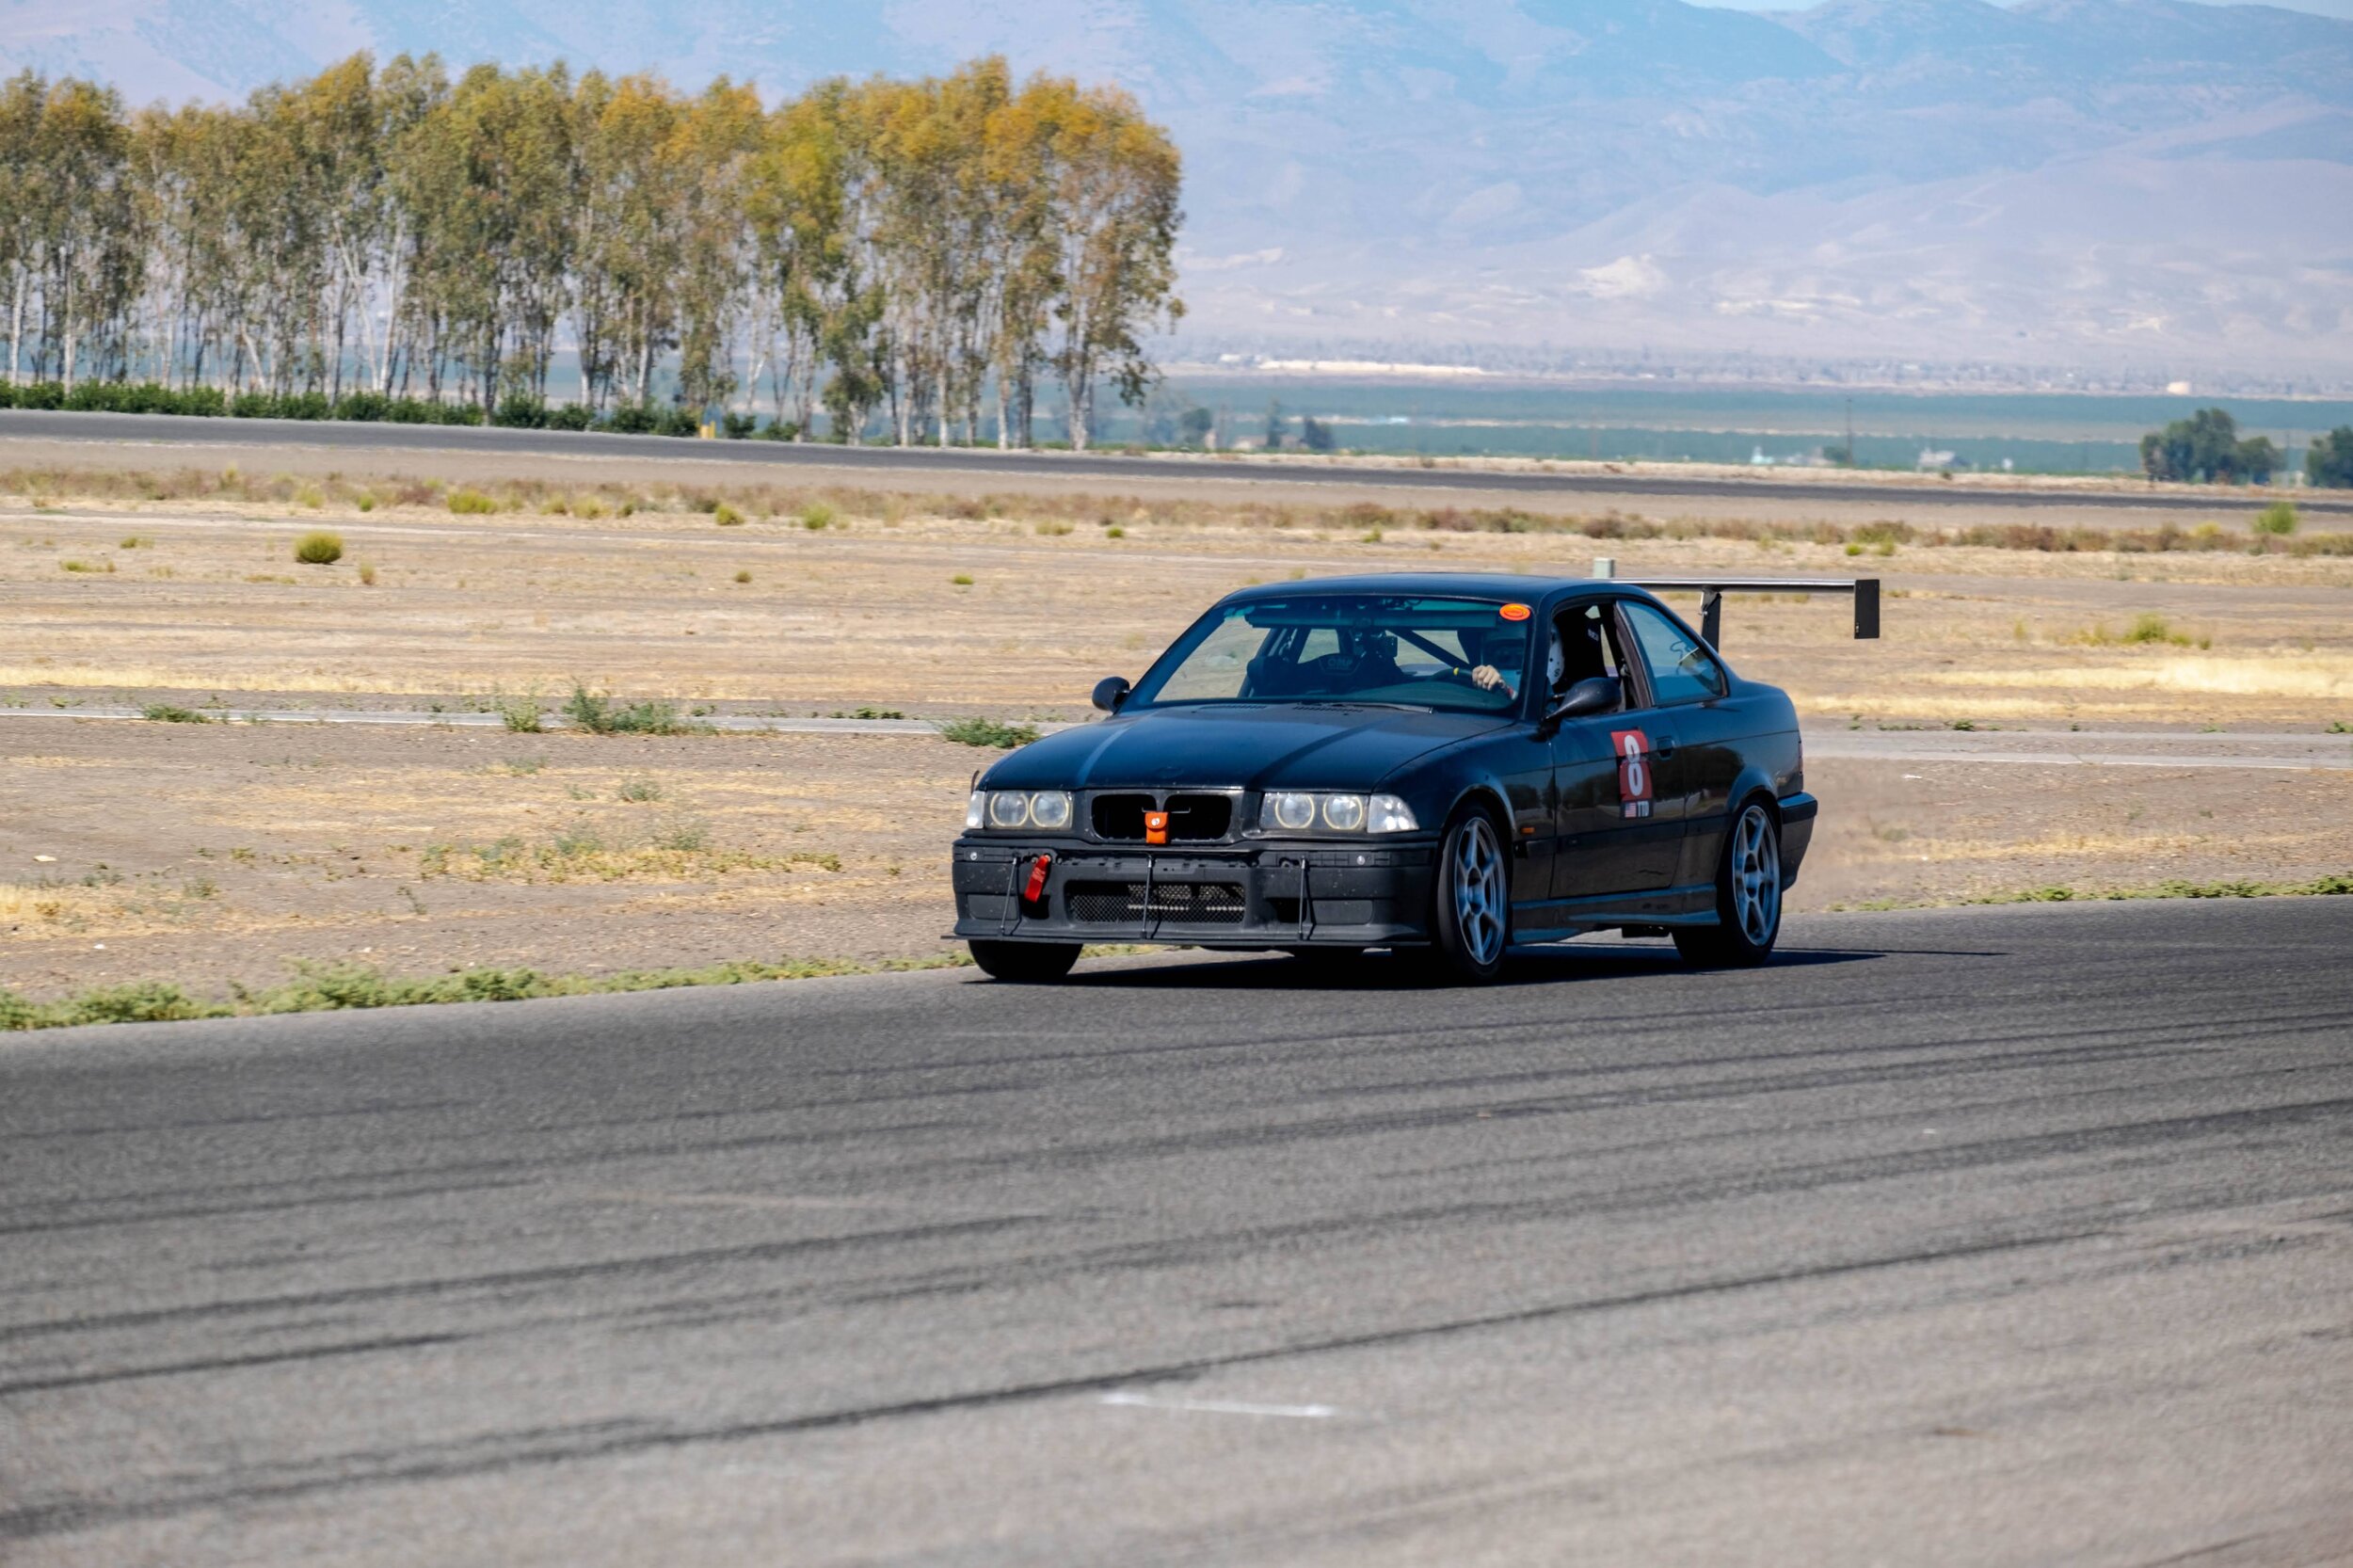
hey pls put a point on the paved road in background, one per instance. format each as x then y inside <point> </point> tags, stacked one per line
<point>2271,750</point>
<point>871,464</point>
<point>1987,1237</point>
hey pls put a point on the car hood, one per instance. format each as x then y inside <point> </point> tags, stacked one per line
<point>1284,746</point>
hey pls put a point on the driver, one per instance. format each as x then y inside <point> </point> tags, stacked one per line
<point>1502,654</point>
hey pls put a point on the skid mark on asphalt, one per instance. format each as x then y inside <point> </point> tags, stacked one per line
<point>1132,1399</point>
<point>508,1451</point>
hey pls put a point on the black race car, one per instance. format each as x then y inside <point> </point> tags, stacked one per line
<point>1444,766</point>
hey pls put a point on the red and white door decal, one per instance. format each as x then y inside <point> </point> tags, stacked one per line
<point>1632,748</point>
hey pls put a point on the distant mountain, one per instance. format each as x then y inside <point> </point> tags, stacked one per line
<point>2149,180</point>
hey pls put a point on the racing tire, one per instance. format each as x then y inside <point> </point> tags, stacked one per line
<point>1024,963</point>
<point>1749,883</point>
<point>1470,922</point>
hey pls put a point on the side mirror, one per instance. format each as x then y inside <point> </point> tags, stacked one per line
<point>1599,693</point>
<point>1111,692</point>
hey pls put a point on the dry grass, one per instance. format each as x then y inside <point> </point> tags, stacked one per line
<point>961,607</point>
<point>2294,676</point>
<point>1054,513</point>
<point>148,906</point>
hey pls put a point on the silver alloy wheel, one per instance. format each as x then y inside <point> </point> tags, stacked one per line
<point>1756,876</point>
<point>1478,892</point>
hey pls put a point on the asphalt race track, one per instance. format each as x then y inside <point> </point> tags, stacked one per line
<point>2017,1236</point>
<point>886,464</point>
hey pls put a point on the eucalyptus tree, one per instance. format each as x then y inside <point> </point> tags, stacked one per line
<point>628,251</point>
<point>74,186</point>
<point>911,243</point>
<point>1020,255</point>
<point>807,189</point>
<point>23,97</point>
<point>410,94</point>
<point>721,135</point>
<point>1115,178</point>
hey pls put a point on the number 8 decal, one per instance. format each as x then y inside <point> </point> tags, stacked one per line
<point>1632,747</point>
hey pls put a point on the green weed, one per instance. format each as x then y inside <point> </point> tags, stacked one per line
<point>987,732</point>
<point>2278,520</point>
<point>521,715</point>
<point>597,712</point>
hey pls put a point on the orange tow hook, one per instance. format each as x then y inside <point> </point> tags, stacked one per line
<point>1156,827</point>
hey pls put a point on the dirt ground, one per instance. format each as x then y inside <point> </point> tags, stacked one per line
<point>215,854</point>
<point>897,603</point>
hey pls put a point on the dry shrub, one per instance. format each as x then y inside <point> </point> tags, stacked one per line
<point>319,549</point>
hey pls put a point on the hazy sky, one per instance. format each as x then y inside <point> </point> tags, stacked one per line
<point>2341,10</point>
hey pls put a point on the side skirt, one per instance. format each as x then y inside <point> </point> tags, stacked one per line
<point>1557,920</point>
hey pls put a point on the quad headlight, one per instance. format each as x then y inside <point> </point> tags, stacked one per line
<point>1048,809</point>
<point>1309,811</point>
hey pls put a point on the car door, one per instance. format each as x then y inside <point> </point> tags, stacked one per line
<point>1690,687</point>
<point>1614,824</point>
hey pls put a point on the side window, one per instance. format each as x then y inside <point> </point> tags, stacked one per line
<point>1680,669</point>
<point>1587,637</point>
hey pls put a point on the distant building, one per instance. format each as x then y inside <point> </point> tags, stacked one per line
<point>1931,462</point>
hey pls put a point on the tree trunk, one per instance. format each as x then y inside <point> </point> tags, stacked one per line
<point>1081,393</point>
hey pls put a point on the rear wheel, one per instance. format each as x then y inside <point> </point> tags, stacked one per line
<point>1030,963</point>
<point>1471,925</point>
<point>1748,896</point>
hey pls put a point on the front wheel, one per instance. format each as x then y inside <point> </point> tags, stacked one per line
<point>1748,897</point>
<point>1025,963</point>
<point>1471,923</point>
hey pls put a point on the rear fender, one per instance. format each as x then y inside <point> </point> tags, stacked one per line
<point>1703,837</point>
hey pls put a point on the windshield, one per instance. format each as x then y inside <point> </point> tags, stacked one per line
<point>1460,654</point>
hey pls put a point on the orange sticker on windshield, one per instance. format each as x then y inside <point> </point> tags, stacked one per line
<point>1515,612</point>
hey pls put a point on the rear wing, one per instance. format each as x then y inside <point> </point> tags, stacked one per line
<point>1864,591</point>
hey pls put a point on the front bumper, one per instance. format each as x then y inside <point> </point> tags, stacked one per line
<point>1258,895</point>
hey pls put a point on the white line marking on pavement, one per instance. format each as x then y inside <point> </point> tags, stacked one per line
<point>1222,1407</point>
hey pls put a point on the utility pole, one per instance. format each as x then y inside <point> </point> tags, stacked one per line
<point>1850,454</point>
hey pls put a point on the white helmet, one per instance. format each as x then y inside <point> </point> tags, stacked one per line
<point>1556,661</point>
